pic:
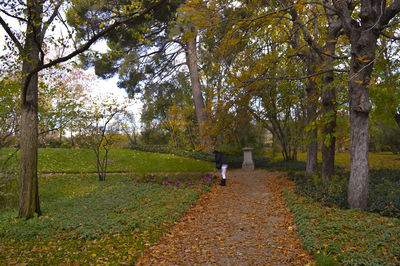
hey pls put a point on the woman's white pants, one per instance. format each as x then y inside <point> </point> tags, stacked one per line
<point>223,170</point>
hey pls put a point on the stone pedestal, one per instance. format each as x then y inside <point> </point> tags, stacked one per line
<point>248,163</point>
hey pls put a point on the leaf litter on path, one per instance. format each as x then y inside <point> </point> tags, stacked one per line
<point>243,223</point>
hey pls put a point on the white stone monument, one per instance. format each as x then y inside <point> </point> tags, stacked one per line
<point>248,163</point>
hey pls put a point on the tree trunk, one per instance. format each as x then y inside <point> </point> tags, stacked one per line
<point>363,53</point>
<point>312,146</point>
<point>397,118</point>
<point>311,59</point>
<point>61,136</point>
<point>363,34</point>
<point>201,114</point>
<point>329,99</point>
<point>328,129</point>
<point>28,179</point>
<point>72,139</point>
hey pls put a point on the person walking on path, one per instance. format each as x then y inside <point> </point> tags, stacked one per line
<point>221,163</point>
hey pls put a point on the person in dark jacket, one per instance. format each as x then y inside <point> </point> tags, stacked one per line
<point>221,163</point>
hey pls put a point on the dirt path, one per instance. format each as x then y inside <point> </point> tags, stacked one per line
<point>244,223</point>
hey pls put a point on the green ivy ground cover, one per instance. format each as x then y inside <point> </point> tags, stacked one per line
<point>351,237</point>
<point>91,222</point>
<point>383,190</point>
<point>336,235</point>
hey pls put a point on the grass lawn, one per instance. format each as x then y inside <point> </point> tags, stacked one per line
<point>120,161</point>
<point>377,160</point>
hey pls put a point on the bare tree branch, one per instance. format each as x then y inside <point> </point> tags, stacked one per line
<point>262,77</point>
<point>390,37</point>
<point>344,13</point>
<point>91,41</point>
<point>11,35</point>
<point>97,37</point>
<point>12,16</point>
<point>390,12</point>
<point>51,18</point>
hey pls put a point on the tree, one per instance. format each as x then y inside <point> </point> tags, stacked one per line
<point>148,54</point>
<point>63,93</point>
<point>166,104</point>
<point>130,128</point>
<point>328,97</point>
<point>320,57</point>
<point>363,22</point>
<point>253,49</point>
<point>312,61</point>
<point>38,17</point>
<point>9,127</point>
<point>102,132</point>
<point>385,98</point>
<point>9,113</point>
<point>190,46</point>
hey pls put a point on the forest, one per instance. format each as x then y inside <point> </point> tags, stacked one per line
<point>312,87</point>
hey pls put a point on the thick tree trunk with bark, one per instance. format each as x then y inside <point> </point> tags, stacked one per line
<point>201,114</point>
<point>363,54</point>
<point>28,180</point>
<point>363,34</point>
<point>363,46</point>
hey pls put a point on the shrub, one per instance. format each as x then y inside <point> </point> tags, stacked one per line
<point>152,148</point>
<point>234,161</point>
<point>287,166</point>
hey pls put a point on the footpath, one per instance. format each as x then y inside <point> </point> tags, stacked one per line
<point>243,223</point>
